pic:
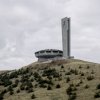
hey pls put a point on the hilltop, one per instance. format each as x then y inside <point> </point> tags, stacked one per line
<point>55,80</point>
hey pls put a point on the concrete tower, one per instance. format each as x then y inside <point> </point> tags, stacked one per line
<point>65,23</point>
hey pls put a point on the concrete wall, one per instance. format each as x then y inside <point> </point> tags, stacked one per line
<point>49,59</point>
<point>65,23</point>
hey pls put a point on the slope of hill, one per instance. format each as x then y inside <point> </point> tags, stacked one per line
<point>56,80</point>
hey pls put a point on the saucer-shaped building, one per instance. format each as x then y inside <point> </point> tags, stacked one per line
<point>48,54</point>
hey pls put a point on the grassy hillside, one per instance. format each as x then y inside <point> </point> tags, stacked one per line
<point>57,80</point>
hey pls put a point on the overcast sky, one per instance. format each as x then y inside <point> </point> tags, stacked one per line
<point>30,25</point>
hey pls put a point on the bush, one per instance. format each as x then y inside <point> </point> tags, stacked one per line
<point>42,86</point>
<point>14,85</point>
<point>36,75</point>
<point>90,78</point>
<point>7,82</point>
<point>50,72</point>
<point>3,91</point>
<point>82,74</point>
<point>22,87</point>
<point>78,84</point>
<point>30,90</point>
<point>88,67</point>
<point>45,82</point>
<point>49,77</point>
<point>69,90</point>
<point>29,84</point>
<point>10,88</point>
<point>98,86</point>
<point>31,79</point>
<point>58,86</point>
<point>16,81</point>
<point>72,96</point>
<point>68,73</point>
<point>86,86</point>
<point>80,67</point>
<point>11,92</point>
<point>1,96</point>
<point>62,66</point>
<point>97,95</point>
<point>13,75</point>
<point>24,78</point>
<point>18,91</point>
<point>49,87</point>
<point>67,79</point>
<point>81,81</point>
<point>74,71</point>
<point>33,96</point>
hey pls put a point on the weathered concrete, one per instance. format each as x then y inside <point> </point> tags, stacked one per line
<point>65,23</point>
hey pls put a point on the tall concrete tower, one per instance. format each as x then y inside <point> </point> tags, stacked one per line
<point>65,23</point>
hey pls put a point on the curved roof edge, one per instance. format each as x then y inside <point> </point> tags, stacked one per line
<point>49,50</point>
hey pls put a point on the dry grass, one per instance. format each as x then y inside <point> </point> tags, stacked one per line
<point>79,80</point>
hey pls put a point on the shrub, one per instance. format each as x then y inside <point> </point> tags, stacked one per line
<point>41,81</point>
<point>1,96</point>
<point>31,79</point>
<point>7,82</point>
<point>86,86</point>
<point>62,66</point>
<point>30,90</point>
<point>92,72</point>
<point>69,90</point>
<point>78,84</point>
<point>72,96</point>
<point>88,67</point>
<point>82,74</point>
<point>16,81</point>
<point>18,91</point>
<point>50,72</point>
<point>98,86</point>
<point>81,81</point>
<point>49,87</point>
<point>3,91</point>
<point>58,86</point>
<point>22,87</point>
<point>14,85</point>
<point>29,84</point>
<point>49,77</point>
<point>42,86</point>
<point>90,78</point>
<point>67,79</point>
<point>13,75</point>
<point>24,78</point>
<point>36,76</point>
<point>68,73</point>
<point>80,67</point>
<point>33,96</point>
<point>11,92</point>
<point>97,95</point>
<point>74,71</point>
<point>10,88</point>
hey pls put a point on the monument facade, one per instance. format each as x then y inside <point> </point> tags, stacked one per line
<point>65,23</point>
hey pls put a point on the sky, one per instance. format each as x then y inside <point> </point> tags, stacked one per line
<point>27,26</point>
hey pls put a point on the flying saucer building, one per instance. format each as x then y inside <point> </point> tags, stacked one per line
<point>47,54</point>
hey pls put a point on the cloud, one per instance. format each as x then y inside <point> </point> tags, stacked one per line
<point>30,25</point>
